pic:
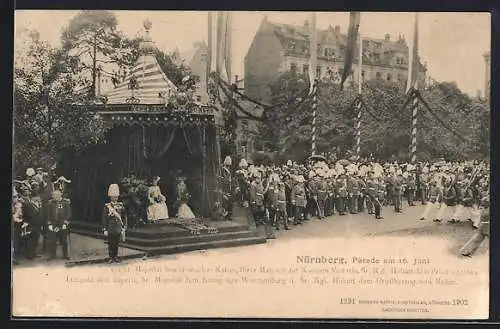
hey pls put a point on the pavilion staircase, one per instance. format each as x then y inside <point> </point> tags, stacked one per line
<point>165,238</point>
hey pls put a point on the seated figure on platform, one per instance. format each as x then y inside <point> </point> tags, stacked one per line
<point>183,196</point>
<point>157,208</point>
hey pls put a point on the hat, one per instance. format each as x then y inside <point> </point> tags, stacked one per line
<point>30,172</point>
<point>228,161</point>
<point>289,163</point>
<point>243,163</point>
<point>113,190</point>
<point>39,169</point>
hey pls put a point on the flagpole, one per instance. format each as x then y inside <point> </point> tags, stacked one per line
<point>360,83</point>
<point>313,81</point>
<point>412,76</point>
<point>210,49</point>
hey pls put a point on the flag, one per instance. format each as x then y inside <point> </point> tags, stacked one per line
<point>413,69</point>
<point>223,45</point>
<point>350,51</point>
<point>313,50</point>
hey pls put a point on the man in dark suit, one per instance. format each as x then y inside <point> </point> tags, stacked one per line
<point>58,213</point>
<point>32,215</point>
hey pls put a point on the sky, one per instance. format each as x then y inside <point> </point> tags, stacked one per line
<point>452,44</point>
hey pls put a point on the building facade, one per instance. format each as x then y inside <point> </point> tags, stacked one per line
<point>277,48</point>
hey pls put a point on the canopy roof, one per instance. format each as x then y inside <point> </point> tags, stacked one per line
<point>153,86</point>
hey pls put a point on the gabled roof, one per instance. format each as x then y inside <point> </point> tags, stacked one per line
<point>153,84</point>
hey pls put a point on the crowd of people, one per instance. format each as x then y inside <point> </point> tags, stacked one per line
<point>281,197</point>
<point>278,197</point>
<point>41,211</point>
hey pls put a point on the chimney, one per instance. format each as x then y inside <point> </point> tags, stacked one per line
<point>337,28</point>
<point>387,37</point>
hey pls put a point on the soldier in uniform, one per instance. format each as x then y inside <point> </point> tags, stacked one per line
<point>390,189</point>
<point>371,192</point>
<point>381,196</point>
<point>322,193</point>
<point>353,193</point>
<point>242,183</point>
<point>341,194</point>
<point>449,194</point>
<point>435,199</point>
<point>114,222</point>
<point>271,198</point>
<point>17,223</point>
<point>299,200</point>
<point>411,186</point>
<point>227,188</point>
<point>58,212</point>
<point>361,194</point>
<point>397,193</point>
<point>280,207</point>
<point>260,215</point>
<point>32,215</point>
<point>482,232</point>
<point>312,189</point>
<point>424,187</point>
<point>465,199</point>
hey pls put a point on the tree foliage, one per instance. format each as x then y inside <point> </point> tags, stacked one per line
<point>45,122</point>
<point>385,127</point>
<point>92,36</point>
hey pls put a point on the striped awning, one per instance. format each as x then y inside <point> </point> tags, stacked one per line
<point>153,85</point>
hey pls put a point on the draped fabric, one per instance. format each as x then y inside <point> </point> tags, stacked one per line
<point>162,150</point>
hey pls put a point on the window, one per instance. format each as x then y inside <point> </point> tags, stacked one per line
<point>389,77</point>
<point>326,52</point>
<point>293,67</point>
<point>362,73</point>
<point>378,75</point>
<point>318,71</point>
<point>244,123</point>
<point>305,69</point>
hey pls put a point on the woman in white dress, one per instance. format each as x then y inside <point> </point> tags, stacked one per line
<point>157,208</point>
<point>183,196</point>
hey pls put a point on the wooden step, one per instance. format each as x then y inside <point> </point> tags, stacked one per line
<point>156,231</point>
<point>164,241</point>
<point>173,249</point>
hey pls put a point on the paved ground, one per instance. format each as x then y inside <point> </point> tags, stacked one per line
<point>393,224</point>
<point>83,249</point>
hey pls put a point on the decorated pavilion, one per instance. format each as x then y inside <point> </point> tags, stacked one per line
<point>155,129</point>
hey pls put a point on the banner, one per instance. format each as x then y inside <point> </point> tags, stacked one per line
<point>352,37</point>
<point>223,45</point>
<point>313,50</point>
<point>414,59</point>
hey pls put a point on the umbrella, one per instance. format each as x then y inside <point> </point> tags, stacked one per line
<point>344,162</point>
<point>317,158</point>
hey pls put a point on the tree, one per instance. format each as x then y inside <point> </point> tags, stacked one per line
<point>45,122</point>
<point>455,128</point>
<point>92,37</point>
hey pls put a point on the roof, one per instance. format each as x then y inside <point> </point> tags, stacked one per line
<point>287,32</point>
<point>188,55</point>
<point>153,84</point>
